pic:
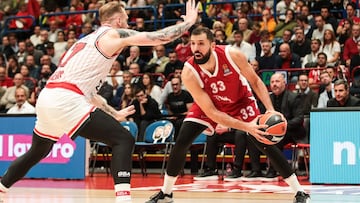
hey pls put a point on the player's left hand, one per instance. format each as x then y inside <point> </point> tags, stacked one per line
<point>123,113</point>
<point>192,9</point>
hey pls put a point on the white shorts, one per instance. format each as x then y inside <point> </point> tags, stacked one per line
<point>60,111</point>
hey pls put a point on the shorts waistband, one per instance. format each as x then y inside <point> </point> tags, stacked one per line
<point>65,85</point>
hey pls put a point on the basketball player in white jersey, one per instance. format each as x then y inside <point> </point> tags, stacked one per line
<point>69,103</point>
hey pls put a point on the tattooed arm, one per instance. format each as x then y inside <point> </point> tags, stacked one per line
<point>115,40</point>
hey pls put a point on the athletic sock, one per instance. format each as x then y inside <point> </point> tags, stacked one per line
<point>122,192</point>
<point>294,184</point>
<point>3,188</point>
<point>169,182</point>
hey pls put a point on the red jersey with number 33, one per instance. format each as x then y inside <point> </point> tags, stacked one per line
<point>228,89</point>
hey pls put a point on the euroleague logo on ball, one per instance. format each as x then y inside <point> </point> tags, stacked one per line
<point>276,127</point>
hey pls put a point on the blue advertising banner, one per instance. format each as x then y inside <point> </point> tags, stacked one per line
<point>65,161</point>
<point>335,146</point>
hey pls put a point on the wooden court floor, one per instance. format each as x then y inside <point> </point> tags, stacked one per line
<point>99,189</point>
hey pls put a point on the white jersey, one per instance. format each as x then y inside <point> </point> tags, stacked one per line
<point>89,68</point>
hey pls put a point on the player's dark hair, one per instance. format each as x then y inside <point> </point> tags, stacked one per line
<point>207,31</point>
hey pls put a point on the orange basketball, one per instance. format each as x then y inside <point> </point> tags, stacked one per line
<point>276,127</point>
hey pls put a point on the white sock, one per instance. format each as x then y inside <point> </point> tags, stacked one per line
<point>169,182</point>
<point>294,184</point>
<point>3,188</point>
<point>122,192</point>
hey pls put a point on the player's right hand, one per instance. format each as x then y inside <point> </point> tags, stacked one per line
<point>256,130</point>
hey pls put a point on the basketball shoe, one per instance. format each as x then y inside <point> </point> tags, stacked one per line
<point>301,197</point>
<point>208,175</point>
<point>235,175</point>
<point>160,197</point>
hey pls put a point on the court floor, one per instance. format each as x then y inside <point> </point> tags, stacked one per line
<point>100,189</point>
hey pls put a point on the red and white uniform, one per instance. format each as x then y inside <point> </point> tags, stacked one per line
<point>228,89</point>
<point>63,105</point>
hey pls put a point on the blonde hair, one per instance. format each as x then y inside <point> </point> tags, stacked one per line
<point>107,11</point>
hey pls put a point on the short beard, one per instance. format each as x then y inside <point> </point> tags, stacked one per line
<point>204,59</point>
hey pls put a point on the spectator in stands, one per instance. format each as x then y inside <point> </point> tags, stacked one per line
<point>86,29</point>
<point>114,78</point>
<point>127,78</point>
<point>264,37</point>
<point>37,54</point>
<point>305,11</point>
<point>73,20</point>
<point>71,35</point>
<point>290,105</point>
<point>350,14</point>
<point>29,82</point>
<point>159,58</point>
<point>90,17</point>
<point>301,45</point>
<point>286,38</point>
<point>310,60</point>
<point>239,15</point>
<point>128,97</point>
<point>59,19</point>
<point>50,51</point>
<point>20,55</point>
<point>45,74</point>
<point>345,31</point>
<point>342,96</point>
<point>303,22</point>
<point>44,37</point>
<point>140,24</point>
<point>2,60</point>
<point>5,47</point>
<point>309,97</point>
<point>183,49</point>
<point>282,7</point>
<point>8,100</point>
<point>244,28</point>
<point>34,69</point>
<point>268,59</point>
<point>134,69</point>
<point>220,37</point>
<point>337,9</point>
<point>2,91</point>
<point>22,106</point>
<point>5,81</point>
<point>350,47</point>
<point>255,35</point>
<point>151,88</point>
<point>321,27</point>
<point>168,87</point>
<point>173,64</point>
<point>21,23</point>
<point>46,60</point>
<point>147,111</point>
<point>314,75</point>
<point>331,47</point>
<point>53,30</point>
<point>355,61</point>
<point>13,42</point>
<point>268,23</point>
<point>255,65</point>
<point>288,60</point>
<point>59,46</point>
<point>328,92</point>
<point>329,19</point>
<point>178,103</point>
<point>134,57</point>
<point>12,66</point>
<point>288,23</point>
<point>243,46</point>
<point>106,92</point>
<point>228,25</point>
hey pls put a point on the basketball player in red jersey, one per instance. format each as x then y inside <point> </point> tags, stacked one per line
<point>69,103</point>
<point>217,77</point>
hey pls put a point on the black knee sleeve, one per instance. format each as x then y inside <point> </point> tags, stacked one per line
<point>187,134</point>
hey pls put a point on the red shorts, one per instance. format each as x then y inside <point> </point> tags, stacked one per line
<point>247,113</point>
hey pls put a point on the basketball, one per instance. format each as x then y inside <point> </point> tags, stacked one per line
<point>276,127</point>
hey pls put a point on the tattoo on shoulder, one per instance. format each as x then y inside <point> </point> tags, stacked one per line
<point>126,32</point>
